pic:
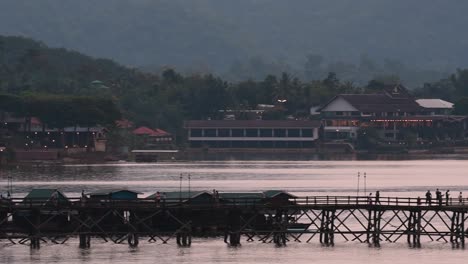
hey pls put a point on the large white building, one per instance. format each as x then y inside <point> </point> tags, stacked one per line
<point>252,133</point>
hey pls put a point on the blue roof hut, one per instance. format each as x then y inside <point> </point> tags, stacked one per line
<point>117,194</point>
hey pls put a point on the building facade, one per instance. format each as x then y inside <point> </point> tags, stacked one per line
<point>391,113</point>
<point>252,133</point>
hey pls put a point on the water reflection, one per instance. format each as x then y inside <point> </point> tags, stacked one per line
<point>301,177</point>
<point>403,178</point>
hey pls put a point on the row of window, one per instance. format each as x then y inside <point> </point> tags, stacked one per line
<point>251,144</point>
<point>251,132</point>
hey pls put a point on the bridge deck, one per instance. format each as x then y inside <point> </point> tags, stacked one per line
<point>301,219</point>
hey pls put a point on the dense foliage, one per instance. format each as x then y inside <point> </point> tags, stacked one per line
<point>64,87</point>
<point>59,111</point>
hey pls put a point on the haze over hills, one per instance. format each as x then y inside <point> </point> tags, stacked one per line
<point>224,36</point>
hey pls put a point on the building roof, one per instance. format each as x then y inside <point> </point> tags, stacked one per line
<point>107,192</point>
<point>252,124</point>
<point>396,91</point>
<point>244,198</point>
<point>274,193</point>
<point>150,132</point>
<point>35,121</point>
<point>143,131</point>
<point>420,118</point>
<point>434,103</point>
<point>177,195</point>
<point>160,133</point>
<point>381,102</point>
<point>378,103</point>
<point>44,194</point>
<point>241,195</point>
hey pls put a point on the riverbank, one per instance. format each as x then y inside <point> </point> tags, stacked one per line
<point>457,153</point>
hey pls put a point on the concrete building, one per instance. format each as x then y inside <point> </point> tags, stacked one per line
<point>252,133</point>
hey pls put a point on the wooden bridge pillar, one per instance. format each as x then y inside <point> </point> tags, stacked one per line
<point>84,236</point>
<point>327,228</point>
<point>374,227</point>
<point>414,229</point>
<point>132,237</point>
<point>35,221</point>
<point>85,241</point>
<point>280,228</point>
<point>232,233</point>
<point>457,229</point>
<point>184,236</point>
<point>463,230</point>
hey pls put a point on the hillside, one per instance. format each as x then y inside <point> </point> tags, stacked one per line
<point>67,81</point>
<point>222,36</point>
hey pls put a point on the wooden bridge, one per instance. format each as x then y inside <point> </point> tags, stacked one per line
<point>325,219</point>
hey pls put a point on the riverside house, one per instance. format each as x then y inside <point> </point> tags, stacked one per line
<point>391,113</point>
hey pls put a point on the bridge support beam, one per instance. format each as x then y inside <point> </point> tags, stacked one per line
<point>374,227</point>
<point>457,229</point>
<point>35,223</point>
<point>85,239</point>
<point>327,228</point>
<point>414,228</point>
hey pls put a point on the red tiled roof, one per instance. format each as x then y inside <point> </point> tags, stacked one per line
<point>143,131</point>
<point>160,133</point>
<point>35,121</point>
<point>150,132</point>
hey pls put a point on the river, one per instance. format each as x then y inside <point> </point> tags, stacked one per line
<point>400,178</point>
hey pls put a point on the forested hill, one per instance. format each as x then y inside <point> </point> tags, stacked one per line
<point>357,39</point>
<point>34,73</point>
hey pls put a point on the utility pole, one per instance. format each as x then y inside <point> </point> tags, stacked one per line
<point>358,178</point>
<point>365,184</point>
<point>180,188</point>
<point>189,184</point>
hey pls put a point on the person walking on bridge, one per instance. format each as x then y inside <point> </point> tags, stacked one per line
<point>377,197</point>
<point>428,197</point>
<point>369,199</point>
<point>439,197</point>
<point>447,197</point>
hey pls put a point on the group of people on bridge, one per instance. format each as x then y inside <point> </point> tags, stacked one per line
<point>439,198</point>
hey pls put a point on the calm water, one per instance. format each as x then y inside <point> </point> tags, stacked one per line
<point>402,178</point>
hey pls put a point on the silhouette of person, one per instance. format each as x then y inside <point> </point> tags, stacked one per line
<point>439,197</point>
<point>447,197</point>
<point>428,197</point>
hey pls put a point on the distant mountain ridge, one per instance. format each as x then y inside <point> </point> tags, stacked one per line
<point>211,35</point>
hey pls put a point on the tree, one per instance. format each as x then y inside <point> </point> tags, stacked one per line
<point>331,82</point>
<point>461,106</point>
<point>460,82</point>
<point>374,86</point>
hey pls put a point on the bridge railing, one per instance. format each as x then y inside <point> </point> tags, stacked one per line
<point>372,200</point>
<point>75,202</point>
